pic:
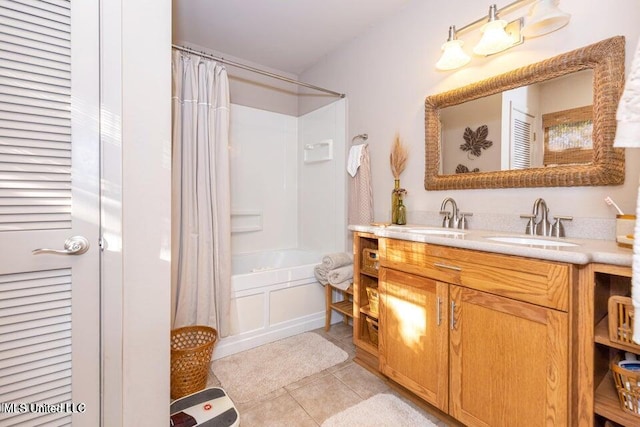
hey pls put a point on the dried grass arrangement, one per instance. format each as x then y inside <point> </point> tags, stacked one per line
<point>398,157</point>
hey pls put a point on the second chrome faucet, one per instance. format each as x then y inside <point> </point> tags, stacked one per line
<point>543,227</point>
<point>453,218</point>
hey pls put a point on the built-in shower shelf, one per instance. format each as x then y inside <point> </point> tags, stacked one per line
<point>318,152</point>
<point>245,221</point>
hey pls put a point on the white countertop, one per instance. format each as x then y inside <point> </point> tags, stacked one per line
<point>586,250</point>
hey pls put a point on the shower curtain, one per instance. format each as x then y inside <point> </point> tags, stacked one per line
<point>201,229</point>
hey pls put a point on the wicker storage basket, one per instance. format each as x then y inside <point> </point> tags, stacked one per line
<point>370,263</point>
<point>627,386</point>
<point>372,326</point>
<point>372,295</point>
<point>621,320</point>
<point>191,349</point>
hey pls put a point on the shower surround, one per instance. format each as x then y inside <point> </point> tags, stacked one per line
<point>288,197</point>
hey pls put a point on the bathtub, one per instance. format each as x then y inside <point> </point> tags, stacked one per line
<point>274,295</point>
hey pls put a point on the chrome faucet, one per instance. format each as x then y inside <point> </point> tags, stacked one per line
<point>543,227</point>
<point>453,218</point>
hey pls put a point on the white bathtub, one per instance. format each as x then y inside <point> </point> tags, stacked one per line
<point>274,295</point>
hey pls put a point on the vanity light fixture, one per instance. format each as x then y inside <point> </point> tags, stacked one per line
<point>498,35</point>
<point>452,54</point>
<point>544,18</point>
<point>494,37</point>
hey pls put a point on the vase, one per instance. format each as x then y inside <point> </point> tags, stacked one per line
<point>395,197</point>
<point>402,213</point>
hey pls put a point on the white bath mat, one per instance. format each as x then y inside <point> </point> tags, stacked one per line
<point>254,373</point>
<point>381,410</point>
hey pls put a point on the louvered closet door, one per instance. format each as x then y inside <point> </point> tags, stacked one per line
<point>49,182</point>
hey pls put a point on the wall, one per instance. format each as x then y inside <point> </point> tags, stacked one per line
<point>388,71</point>
<point>264,180</point>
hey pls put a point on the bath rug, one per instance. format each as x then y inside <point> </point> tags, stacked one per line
<point>381,410</point>
<point>254,373</point>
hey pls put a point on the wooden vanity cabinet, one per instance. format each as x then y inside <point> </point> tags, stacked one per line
<point>414,340</point>
<point>484,337</point>
<point>508,361</point>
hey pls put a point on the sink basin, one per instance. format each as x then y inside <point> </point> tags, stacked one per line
<point>433,231</point>
<point>436,231</point>
<point>530,241</point>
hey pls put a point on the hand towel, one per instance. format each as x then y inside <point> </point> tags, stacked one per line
<point>628,136</point>
<point>335,260</point>
<point>321,274</point>
<point>360,192</point>
<point>355,158</point>
<point>340,274</point>
<point>343,285</point>
<point>635,280</point>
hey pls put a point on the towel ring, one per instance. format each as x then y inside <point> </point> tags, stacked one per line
<point>362,136</point>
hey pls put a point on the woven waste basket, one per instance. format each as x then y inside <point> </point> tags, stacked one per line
<point>191,349</point>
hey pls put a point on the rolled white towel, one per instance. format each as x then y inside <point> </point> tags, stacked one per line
<point>336,260</point>
<point>340,275</point>
<point>343,285</point>
<point>321,273</point>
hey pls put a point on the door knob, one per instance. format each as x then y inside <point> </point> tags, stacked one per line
<point>76,245</point>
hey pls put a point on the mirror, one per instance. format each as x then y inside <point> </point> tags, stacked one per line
<point>544,125</point>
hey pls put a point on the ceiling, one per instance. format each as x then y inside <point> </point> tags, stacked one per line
<point>288,35</point>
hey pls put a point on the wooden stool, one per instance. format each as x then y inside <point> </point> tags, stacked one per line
<point>344,306</point>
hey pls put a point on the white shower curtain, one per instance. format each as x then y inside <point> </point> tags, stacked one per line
<point>201,229</point>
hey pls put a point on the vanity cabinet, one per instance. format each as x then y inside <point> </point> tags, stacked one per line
<point>414,334</point>
<point>483,337</point>
<point>508,361</point>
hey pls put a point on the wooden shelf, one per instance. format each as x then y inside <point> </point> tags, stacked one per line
<point>365,310</point>
<point>602,337</point>
<point>367,345</point>
<point>607,404</point>
<point>345,307</point>
<point>367,273</point>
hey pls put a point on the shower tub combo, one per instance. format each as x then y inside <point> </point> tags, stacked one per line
<point>274,295</point>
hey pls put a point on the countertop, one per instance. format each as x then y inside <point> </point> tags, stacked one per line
<point>585,251</point>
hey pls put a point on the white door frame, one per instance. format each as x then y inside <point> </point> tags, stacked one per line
<point>136,210</point>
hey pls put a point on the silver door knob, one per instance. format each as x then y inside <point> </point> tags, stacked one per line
<point>76,245</point>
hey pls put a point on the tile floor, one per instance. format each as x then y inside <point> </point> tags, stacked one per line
<point>310,401</point>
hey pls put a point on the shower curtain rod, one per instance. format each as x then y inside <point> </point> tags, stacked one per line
<point>256,70</point>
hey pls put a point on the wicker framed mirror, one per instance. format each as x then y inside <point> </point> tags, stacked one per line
<point>603,165</point>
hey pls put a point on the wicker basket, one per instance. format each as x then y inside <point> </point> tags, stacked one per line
<point>370,262</point>
<point>191,349</point>
<point>372,295</point>
<point>372,326</point>
<point>627,386</point>
<point>621,320</point>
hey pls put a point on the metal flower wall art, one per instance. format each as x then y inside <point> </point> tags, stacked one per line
<point>476,141</point>
<point>463,169</point>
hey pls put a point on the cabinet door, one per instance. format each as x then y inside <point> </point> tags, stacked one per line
<point>413,344</point>
<point>508,361</point>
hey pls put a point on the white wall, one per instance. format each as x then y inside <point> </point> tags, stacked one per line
<point>264,179</point>
<point>388,71</point>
